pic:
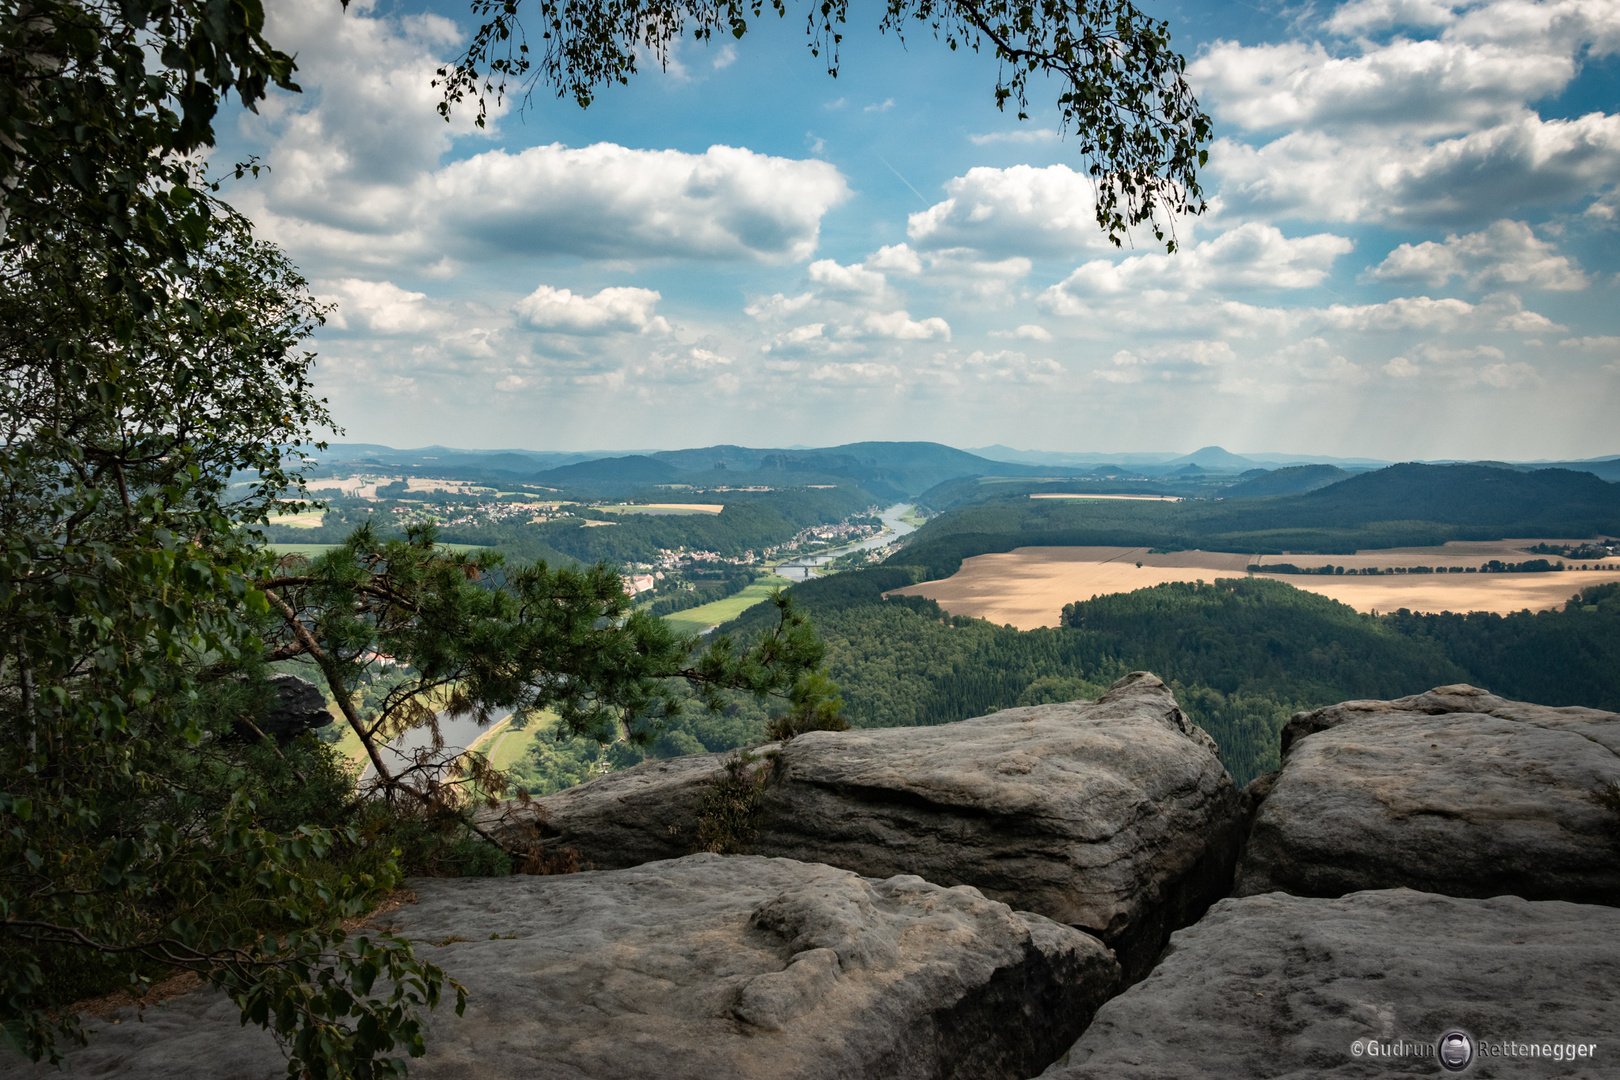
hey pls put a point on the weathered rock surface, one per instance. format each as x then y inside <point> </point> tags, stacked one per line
<point>702,968</point>
<point>300,707</point>
<point>1283,986</point>
<point>1453,791</point>
<point>1114,816</point>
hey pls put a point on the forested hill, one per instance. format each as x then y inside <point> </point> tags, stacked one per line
<point>1244,654</point>
<point>1553,502</point>
<point>1291,480</point>
<point>898,469</point>
<point>1398,506</point>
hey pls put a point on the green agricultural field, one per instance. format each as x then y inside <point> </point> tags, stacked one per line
<point>916,518</point>
<point>694,620</point>
<point>506,745</point>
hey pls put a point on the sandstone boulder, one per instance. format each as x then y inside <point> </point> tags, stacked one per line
<point>1286,986</point>
<point>1453,791</point>
<point>702,968</point>
<point>1114,816</point>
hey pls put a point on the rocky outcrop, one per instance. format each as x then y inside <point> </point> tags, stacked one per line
<point>300,706</point>
<point>1114,816</point>
<point>1284,986</point>
<point>1452,791</point>
<point>625,818</point>
<point>702,968</point>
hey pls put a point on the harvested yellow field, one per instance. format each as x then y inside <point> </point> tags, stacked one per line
<point>458,487</point>
<point>1028,587</point>
<point>362,487</point>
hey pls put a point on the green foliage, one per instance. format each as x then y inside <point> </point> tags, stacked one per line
<point>475,636</point>
<point>728,809</point>
<point>102,108</point>
<point>816,706</point>
<point>1121,87</point>
<point>555,761</point>
<point>424,841</point>
<point>147,362</point>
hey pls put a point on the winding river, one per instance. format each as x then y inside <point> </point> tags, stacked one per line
<point>801,568</point>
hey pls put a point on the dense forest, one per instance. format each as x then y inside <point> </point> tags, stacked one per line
<point>1403,505</point>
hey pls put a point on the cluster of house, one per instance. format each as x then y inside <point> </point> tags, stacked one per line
<point>640,583</point>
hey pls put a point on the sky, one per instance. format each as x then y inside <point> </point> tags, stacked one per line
<point>1410,248</point>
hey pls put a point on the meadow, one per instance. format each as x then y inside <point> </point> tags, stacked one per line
<point>696,620</point>
<point>1027,587</point>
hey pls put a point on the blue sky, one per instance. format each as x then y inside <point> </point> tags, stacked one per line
<point>1410,250</point>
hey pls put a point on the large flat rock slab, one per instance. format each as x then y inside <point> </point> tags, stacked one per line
<point>1281,986</point>
<point>1453,791</point>
<point>1114,816</point>
<point>702,968</point>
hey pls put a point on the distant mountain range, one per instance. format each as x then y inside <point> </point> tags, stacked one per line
<point>1210,457</point>
<point>886,469</point>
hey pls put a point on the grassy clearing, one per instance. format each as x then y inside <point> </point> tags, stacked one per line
<point>507,745</point>
<point>694,620</point>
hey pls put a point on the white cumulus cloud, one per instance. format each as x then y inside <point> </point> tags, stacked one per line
<point>561,311</point>
<point>854,280</point>
<point>1252,256</point>
<point>609,201</point>
<point>1507,253</point>
<point>900,326</point>
<point>1434,123</point>
<point>381,307</point>
<point>1022,210</point>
